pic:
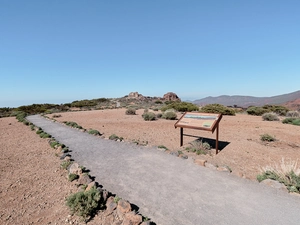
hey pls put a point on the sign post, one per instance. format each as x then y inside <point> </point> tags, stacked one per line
<point>200,121</point>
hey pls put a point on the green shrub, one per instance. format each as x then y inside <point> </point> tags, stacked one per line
<point>217,108</point>
<point>292,120</point>
<point>158,102</point>
<point>115,137</point>
<point>199,147</point>
<point>39,131</point>
<point>159,115</point>
<point>65,164</point>
<point>20,116</point>
<point>180,106</point>
<point>163,147</point>
<point>45,135</point>
<point>287,173</point>
<point>267,137</point>
<point>32,127</point>
<point>72,176</point>
<point>130,111</point>
<point>94,132</point>
<point>84,203</point>
<point>169,115</point>
<point>256,111</point>
<point>149,116</point>
<point>293,114</point>
<point>72,124</point>
<point>270,117</point>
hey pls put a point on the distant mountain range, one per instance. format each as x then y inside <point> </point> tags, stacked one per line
<point>292,100</point>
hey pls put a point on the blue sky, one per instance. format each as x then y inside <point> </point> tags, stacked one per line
<point>60,51</point>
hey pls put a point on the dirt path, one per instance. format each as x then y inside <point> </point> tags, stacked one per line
<point>171,190</point>
<point>33,187</point>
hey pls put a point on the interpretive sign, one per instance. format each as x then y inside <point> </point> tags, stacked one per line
<point>199,121</point>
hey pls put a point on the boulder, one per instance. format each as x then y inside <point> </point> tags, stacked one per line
<point>171,96</point>
<point>74,168</point>
<point>110,205</point>
<point>84,179</point>
<point>123,206</point>
<point>90,186</point>
<point>200,162</point>
<point>131,218</point>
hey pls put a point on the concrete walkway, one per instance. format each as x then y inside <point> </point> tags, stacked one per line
<point>171,190</point>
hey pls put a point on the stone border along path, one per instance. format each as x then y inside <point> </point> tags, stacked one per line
<point>170,190</point>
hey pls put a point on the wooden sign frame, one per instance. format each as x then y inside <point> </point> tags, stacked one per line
<point>199,121</point>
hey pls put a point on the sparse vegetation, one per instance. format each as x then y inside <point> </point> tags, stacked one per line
<point>199,147</point>
<point>149,116</point>
<point>217,108</point>
<point>293,114</point>
<point>72,176</point>
<point>65,164</point>
<point>180,106</point>
<point>94,132</point>
<point>267,138</point>
<point>117,199</point>
<point>45,135</point>
<point>130,111</point>
<point>292,120</point>
<point>287,173</point>
<point>84,203</point>
<point>259,111</point>
<point>169,114</point>
<point>270,117</point>
<point>163,147</point>
<point>115,137</point>
<point>72,124</point>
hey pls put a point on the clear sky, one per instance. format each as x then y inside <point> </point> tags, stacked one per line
<point>58,51</point>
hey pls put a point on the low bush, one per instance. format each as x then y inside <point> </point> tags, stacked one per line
<point>159,115</point>
<point>20,116</point>
<point>292,120</point>
<point>45,135</point>
<point>267,138</point>
<point>180,106</point>
<point>287,173</point>
<point>169,115</point>
<point>199,147</point>
<point>259,111</point>
<point>115,137</point>
<point>163,147</point>
<point>53,144</point>
<point>65,164</point>
<point>293,114</point>
<point>84,203</point>
<point>130,111</point>
<point>149,116</point>
<point>256,111</point>
<point>94,132</point>
<point>217,108</point>
<point>72,176</point>
<point>270,117</point>
<point>72,124</point>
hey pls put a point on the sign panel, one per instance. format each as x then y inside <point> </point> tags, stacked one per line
<point>200,121</point>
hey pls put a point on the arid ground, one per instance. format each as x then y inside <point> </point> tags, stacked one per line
<point>33,187</point>
<point>239,135</point>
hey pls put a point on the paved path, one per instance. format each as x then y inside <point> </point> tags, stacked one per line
<point>174,191</point>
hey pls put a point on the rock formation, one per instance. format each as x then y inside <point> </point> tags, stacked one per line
<point>171,96</point>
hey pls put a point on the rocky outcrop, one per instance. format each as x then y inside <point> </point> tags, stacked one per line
<point>135,95</point>
<point>171,96</point>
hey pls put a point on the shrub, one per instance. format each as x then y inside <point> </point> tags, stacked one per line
<point>158,102</point>
<point>72,124</point>
<point>292,114</point>
<point>65,164</point>
<point>293,121</point>
<point>163,147</point>
<point>217,108</point>
<point>20,116</point>
<point>84,203</point>
<point>39,131</point>
<point>45,135</point>
<point>180,106</point>
<point>256,111</point>
<point>287,173</point>
<point>94,132</point>
<point>270,117</point>
<point>199,147</point>
<point>72,176</point>
<point>149,116</point>
<point>159,115</point>
<point>115,137</point>
<point>169,115</point>
<point>53,144</point>
<point>32,127</point>
<point>267,137</point>
<point>130,111</point>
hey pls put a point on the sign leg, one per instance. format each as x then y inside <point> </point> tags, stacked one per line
<point>217,140</point>
<point>181,136</point>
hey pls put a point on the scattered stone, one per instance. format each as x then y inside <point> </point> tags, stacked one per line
<point>110,205</point>
<point>175,153</point>
<point>123,206</point>
<point>200,162</point>
<point>90,186</point>
<point>105,195</point>
<point>67,158</point>
<point>131,218</point>
<point>275,184</point>
<point>223,169</point>
<point>74,168</point>
<point>210,166</point>
<point>84,179</point>
<point>64,156</point>
<point>184,156</point>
